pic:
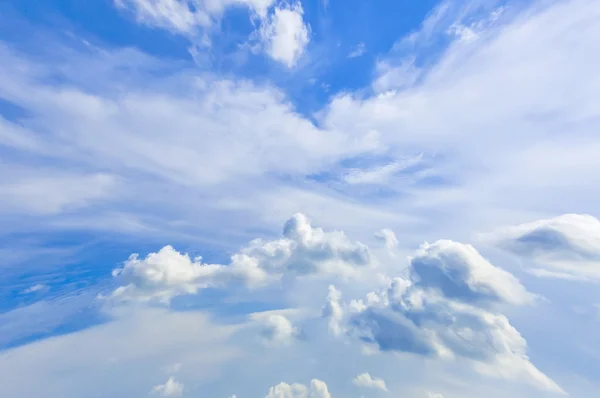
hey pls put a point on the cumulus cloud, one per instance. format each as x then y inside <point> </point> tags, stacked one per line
<point>460,272</point>
<point>317,389</point>
<point>285,35</point>
<point>367,381</point>
<point>303,250</point>
<point>278,330</point>
<point>332,310</point>
<point>171,388</point>
<point>163,275</point>
<point>566,246</point>
<point>388,237</point>
<point>446,311</point>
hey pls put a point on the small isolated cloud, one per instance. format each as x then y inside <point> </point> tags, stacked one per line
<point>171,388</point>
<point>358,51</point>
<point>566,247</point>
<point>317,389</point>
<point>284,34</point>
<point>332,311</point>
<point>388,237</point>
<point>367,381</point>
<point>278,330</point>
<point>35,288</point>
<point>434,395</point>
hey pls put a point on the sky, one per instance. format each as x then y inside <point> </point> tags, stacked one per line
<point>299,199</point>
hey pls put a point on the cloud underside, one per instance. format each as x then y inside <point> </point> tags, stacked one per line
<point>565,247</point>
<point>447,309</point>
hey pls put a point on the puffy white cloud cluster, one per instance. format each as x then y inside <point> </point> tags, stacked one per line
<point>317,389</point>
<point>368,381</point>
<point>447,309</point>
<point>171,388</point>
<point>566,246</point>
<point>163,275</point>
<point>282,32</point>
<point>303,250</point>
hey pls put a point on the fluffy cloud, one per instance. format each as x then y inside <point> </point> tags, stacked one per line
<point>332,310</point>
<point>445,311</point>
<point>367,381</point>
<point>171,388</point>
<point>285,35</point>
<point>460,272</point>
<point>566,246</point>
<point>163,275</point>
<point>317,389</point>
<point>278,330</point>
<point>303,250</point>
<point>388,237</point>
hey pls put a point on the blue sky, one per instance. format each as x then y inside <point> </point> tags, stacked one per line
<point>292,199</point>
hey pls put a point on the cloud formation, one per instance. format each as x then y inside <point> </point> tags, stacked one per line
<point>171,388</point>
<point>303,250</point>
<point>566,246</point>
<point>278,330</point>
<point>186,16</point>
<point>446,311</point>
<point>367,381</point>
<point>285,35</point>
<point>317,389</point>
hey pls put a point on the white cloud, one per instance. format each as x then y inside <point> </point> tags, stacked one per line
<point>303,250</point>
<point>171,388</point>
<point>367,381</point>
<point>278,330</point>
<point>131,346</point>
<point>285,35</point>
<point>566,247</point>
<point>446,311</point>
<point>491,106</point>
<point>35,288</point>
<point>317,389</point>
<point>460,272</point>
<point>332,310</point>
<point>360,50</point>
<point>186,16</point>
<point>163,275</point>
<point>25,192</point>
<point>388,237</point>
